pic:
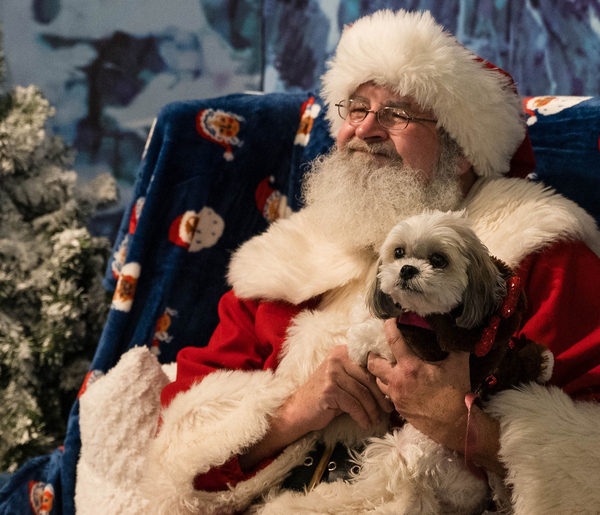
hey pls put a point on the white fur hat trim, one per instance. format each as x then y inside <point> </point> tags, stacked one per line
<point>411,54</point>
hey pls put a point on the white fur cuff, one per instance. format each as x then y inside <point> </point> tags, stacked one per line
<point>118,417</point>
<point>203,428</point>
<point>551,449</point>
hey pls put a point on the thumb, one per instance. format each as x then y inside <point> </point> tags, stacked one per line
<point>396,341</point>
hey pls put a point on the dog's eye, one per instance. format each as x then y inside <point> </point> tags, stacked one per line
<point>398,253</point>
<point>438,261</point>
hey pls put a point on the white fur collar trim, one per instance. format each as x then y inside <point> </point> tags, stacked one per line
<point>514,218</point>
<point>293,261</point>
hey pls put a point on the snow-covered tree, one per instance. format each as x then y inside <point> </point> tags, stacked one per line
<point>52,304</point>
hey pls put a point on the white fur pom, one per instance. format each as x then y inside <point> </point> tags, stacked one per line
<point>550,445</point>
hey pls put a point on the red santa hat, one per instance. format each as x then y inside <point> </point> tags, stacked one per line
<point>410,53</point>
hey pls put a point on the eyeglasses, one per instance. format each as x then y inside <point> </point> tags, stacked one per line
<point>392,118</point>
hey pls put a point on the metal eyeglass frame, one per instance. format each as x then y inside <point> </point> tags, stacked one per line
<point>403,114</point>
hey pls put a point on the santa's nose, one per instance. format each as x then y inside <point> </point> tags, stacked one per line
<point>408,271</point>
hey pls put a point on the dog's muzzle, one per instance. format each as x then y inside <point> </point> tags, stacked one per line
<point>405,281</point>
<point>408,272</point>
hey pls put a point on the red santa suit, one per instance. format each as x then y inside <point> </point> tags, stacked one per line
<point>291,302</point>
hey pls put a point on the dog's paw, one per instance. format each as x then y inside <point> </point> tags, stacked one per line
<point>367,337</point>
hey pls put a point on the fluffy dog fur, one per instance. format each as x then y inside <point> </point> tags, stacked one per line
<point>435,267</point>
<point>453,283</point>
<point>401,473</point>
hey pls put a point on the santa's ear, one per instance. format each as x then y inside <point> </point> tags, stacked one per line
<point>486,287</point>
<point>380,304</point>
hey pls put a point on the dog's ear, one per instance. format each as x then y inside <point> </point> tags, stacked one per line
<point>380,304</point>
<point>486,288</point>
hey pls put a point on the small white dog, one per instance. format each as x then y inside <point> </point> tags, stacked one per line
<point>434,263</point>
<point>438,278</point>
<point>448,294</point>
<point>433,271</point>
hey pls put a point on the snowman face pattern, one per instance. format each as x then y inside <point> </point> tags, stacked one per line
<point>197,230</point>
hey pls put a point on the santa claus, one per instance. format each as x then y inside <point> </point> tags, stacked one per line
<point>420,123</point>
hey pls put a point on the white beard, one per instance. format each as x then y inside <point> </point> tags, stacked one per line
<point>356,200</point>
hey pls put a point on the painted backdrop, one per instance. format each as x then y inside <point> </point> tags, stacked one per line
<point>108,66</point>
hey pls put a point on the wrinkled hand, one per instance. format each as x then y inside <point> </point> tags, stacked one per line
<point>429,395</point>
<point>337,386</point>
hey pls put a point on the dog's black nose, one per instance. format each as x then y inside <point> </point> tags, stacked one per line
<point>408,271</point>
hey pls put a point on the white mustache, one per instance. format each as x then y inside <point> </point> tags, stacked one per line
<point>373,148</point>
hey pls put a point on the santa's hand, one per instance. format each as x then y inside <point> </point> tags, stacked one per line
<point>337,386</point>
<point>429,395</point>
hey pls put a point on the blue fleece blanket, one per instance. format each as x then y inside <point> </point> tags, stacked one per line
<point>213,174</point>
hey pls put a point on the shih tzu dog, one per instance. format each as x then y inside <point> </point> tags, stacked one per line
<point>447,293</point>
